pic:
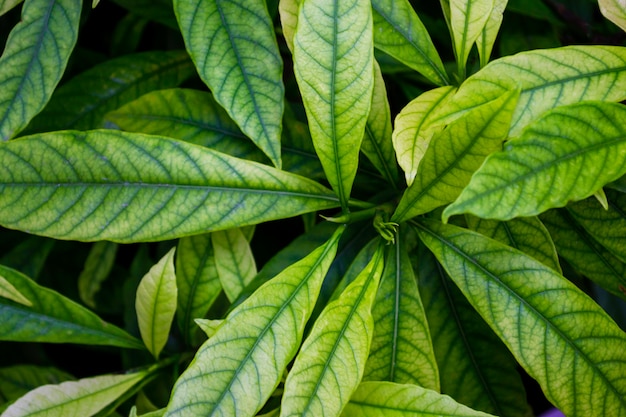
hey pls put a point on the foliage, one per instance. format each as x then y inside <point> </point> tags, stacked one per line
<point>313,208</point>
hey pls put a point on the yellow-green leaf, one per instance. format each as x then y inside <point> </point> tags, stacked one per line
<point>8,291</point>
<point>234,261</point>
<point>467,21</point>
<point>615,11</point>
<point>487,36</point>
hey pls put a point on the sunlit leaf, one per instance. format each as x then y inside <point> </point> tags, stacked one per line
<point>288,10</point>
<point>331,361</point>
<point>128,187</point>
<point>333,64</point>
<point>234,261</point>
<point>34,59</point>
<point>209,327</point>
<point>233,46</point>
<point>17,380</point>
<point>83,397</point>
<point>584,375</point>
<point>97,267</point>
<point>615,11</point>
<point>65,321</point>
<point>467,21</point>
<point>487,37</point>
<point>8,291</point>
<point>6,5</point>
<point>566,155</point>
<point>155,303</point>
<point>454,154</point>
<point>238,368</point>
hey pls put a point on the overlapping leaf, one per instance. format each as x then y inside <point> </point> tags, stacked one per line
<point>109,185</point>
<point>29,256</point>
<point>615,11</point>
<point>65,321</point>
<point>467,21</point>
<point>487,37</point>
<point>566,155</point>
<point>233,46</point>
<point>17,380</point>
<point>8,291</point>
<point>238,368</point>
<point>234,261</point>
<point>521,300</point>
<point>333,64</point>
<point>6,5</point>
<point>34,59</point>
<point>288,10</point>
<point>97,267</point>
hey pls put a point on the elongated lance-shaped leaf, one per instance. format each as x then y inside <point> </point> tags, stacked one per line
<point>584,376</point>
<point>82,102</point>
<point>401,34</point>
<point>414,128</point>
<point>155,303</point>
<point>128,187</point>
<point>608,226</point>
<point>547,78</point>
<point>6,5</point>
<point>331,361</point>
<point>467,21</point>
<point>17,380</point>
<point>197,281</point>
<point>8,291</point>
<point>65,321</point>
<point>34,59</point>
<point>615,11</point>
<point>403,400</point>
<point>233,46</point>
<point>97,267</point>
<point>526,234</point>
<point>84,397</point>
<point>333,62</point>
<point>475,367</point>
<point>454,154</point>
<point>236,370</point>
<point>584,253</point>
<point>377,145</point>
<point>487,36</point>
<point>566,155</point>
<point>401,350</point>
<point>234,261</point>
<point>288,10</point>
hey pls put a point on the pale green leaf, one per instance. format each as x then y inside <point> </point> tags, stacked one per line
<point>331,361</point>
<point>234,261</point>
<point>238,368</point>
<point>97,267</point>
<point>487,37</point>
<point>414,128</point>
<point>6,5</point>
<point>128,187</point>
<point>547,78</point>
<point>454,154</point>
<point>615,11</point>
<point>156,413</point>
<point>333,64</point>
<point>400,33</point>
<point>378,399</point>
<point>467,21</point>
<point>84,397</point>
<point>521,300</point>
<point>288,10</point>
<point>527,234</point>
<point>155,303</point>
<point>83,101</point>
<point>197,281</point>
<point>34,59</point>
<point>401,350</point>
<point>233,46</point>
<point>584,253</point>
<point>17,380</point>
<point>209,327</point>
<point>53,318</point>
<point>475,367</point>
<point>8,291</point>
<point>566,155</point>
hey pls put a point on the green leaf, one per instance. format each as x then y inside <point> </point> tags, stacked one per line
<point>331,361</point>
<point>209,327</point>
<point>17,380</point>
<point>401,350</point>
<point>547,78</point>
<point>467,21</point>
<point>157,10</point>
<point>197,281</point>
<point>288,10</point>
<point>34,59</point>
<point>521,300</point>
<point>28,256</point>
<point>84,397</point>
<point>65,321</point>
<point>234,261</point>
<point>399,32</point>
<point>403,400</point>
<point>128,187</point>
<point>526,234</point>
<point>6,5</point>
<point>453,156</point>
<point>584,253</point>
<point>236,370</point>
<point>155,303</point>
<point>333,64</point>
<point>97,268</point>
<point>487,37</point>
<point>414,128</point>
<point>566,155</point>
<point>83,101</point>
<point>615,11</point>
<point>8,291</point>
<point>240,63</point>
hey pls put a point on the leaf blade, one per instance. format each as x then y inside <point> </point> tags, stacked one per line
<point>615,11</point>
<point>234,261</point>
<point>467,21</point>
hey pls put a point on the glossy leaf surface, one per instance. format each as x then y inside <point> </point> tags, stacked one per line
<point>129,187</point>
<point>234,261</point>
